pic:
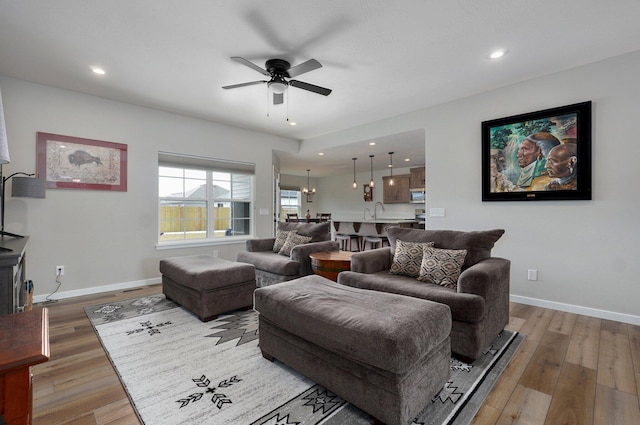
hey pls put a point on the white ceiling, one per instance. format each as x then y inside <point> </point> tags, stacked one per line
<point>381,58</point>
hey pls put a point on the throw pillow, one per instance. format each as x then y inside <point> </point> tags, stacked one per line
<point>293,239</point>
<point>477,243</point>
<point>442,266</point>
<point>408,258</point>
<point>281,238</point>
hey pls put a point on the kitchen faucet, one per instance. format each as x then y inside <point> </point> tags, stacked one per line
<point>375,210</point>
<point>364,214</point>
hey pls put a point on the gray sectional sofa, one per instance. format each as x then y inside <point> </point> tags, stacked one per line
<point>480,302</point>
<point>272,267</point>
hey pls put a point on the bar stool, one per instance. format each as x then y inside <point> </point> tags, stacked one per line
<point>373,242</point>
<point>344,238</point>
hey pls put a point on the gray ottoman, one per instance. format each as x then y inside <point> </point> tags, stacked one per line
<point>387,354</point>
<point>207,285</point>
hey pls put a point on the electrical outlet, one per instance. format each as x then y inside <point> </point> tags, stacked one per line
<point>215,252</point>
<point>59,270</point>
<point>532,274</point>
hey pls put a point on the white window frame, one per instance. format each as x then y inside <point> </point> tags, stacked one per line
<point>298,205</point>
<point>210,166</point>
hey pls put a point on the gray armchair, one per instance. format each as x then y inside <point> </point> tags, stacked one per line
<point>480,303</point>
<point>272,267</point>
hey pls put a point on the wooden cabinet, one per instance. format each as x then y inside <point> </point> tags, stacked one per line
<point>399,192</point>
<point>418,178</point>
<point>12,274</point>
<point>25,342</point>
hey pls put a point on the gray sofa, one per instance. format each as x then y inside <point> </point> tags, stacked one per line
<point>272,267</point>
<point>480,303</point>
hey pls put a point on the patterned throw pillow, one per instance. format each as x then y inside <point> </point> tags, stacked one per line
<point>293,239</point>
<point>281,238</point>
<point>442,266</point>
<point>408,257</point>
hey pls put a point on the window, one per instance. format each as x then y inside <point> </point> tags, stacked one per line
<point>290,202</point>
<point>202,199</point>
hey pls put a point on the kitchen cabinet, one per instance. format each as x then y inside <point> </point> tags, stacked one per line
<point>418,178</point>
<point>399,192</point>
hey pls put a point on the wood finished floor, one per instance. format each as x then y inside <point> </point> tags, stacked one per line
<point>570,370</point>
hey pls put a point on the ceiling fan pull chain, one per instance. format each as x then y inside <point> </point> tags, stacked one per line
<point>267,101</point>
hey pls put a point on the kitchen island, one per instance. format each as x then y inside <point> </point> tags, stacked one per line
<point>373,227</point>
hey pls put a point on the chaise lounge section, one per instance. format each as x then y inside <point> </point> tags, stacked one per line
<point>479,302</point>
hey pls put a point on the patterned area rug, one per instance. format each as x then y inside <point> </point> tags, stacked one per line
<point>179,370</point>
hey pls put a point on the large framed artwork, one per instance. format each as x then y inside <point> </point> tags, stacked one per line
<point>543,155</point>
<point>67,162</point>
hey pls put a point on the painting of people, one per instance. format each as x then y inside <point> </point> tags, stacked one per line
<point>541,155</point>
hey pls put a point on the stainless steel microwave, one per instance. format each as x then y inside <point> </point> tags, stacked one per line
<point>417,196</point>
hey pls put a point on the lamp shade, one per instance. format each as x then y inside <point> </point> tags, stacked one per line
<point>278,85</point>
<point>28,187</point>
<point>4,144</point>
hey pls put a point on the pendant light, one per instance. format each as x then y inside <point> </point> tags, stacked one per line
<point>355,184</point>
<point>308,190</point>
<point>371,183</point>
<point>391,168</point>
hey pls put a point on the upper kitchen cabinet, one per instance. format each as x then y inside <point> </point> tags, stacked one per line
<point>418,179</point>
<point>399,192</point>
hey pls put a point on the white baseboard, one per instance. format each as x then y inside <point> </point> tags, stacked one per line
<point>96,290</point>
<point>585,311</point>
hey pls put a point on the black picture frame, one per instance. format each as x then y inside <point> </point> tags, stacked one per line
<point>509,144</point>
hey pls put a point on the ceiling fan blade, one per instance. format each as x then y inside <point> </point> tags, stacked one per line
<point>278,98</point>
<point>233,86</point>
<point>250,65</point>
<point>307,66</point>
<point>310,87</point>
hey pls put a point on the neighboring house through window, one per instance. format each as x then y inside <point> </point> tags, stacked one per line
<point>290,202</point>
<point>204,199</point>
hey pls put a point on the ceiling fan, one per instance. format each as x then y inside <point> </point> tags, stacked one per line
<point>279,70</point>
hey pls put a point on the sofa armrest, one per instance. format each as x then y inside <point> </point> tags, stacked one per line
<point>260,244</point>
<point>490,278</point>
<point>487,278</point>
<point>300,253</point>
<point>372,261</point>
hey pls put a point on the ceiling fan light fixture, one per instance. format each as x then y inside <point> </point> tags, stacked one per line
<point>278,85</point>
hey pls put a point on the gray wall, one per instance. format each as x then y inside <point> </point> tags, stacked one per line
<point>586,252</point>
<point>109,238</point>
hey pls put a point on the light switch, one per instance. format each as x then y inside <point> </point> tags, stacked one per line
<point>436,212</point>
<point>264,211</point>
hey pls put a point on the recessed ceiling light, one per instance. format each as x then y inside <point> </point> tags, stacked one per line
<point>320,153</point>
<point>97,70</point>
<point>497,54</point>
<point>292,123</point>
<point>372,143</point>
<point>407,159</point>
